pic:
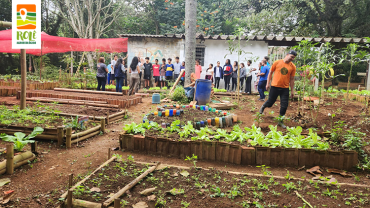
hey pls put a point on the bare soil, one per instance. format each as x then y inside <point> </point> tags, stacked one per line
<point>40,183</point>
<point>213,188</point>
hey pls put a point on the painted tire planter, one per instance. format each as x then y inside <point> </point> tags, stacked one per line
<point>222,119</point>
<point>239,154</point>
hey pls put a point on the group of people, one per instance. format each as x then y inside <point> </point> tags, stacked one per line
<point>113,73</point>
<point>278,77</point>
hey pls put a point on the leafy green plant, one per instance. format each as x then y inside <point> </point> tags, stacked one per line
<point>265,169</point>
<point>234,192</point>
<point>133,128</point>
<point>174,127</point>
<point>355,57</point>
<point>74,124</point>
<point>179,95</point>
<point>290,187</point>
<point>20,139</point>
<point>192,159</point>
<point>258,118</point>
<point>216,192</point>
<point>188,129</point>
<point>185,204</point>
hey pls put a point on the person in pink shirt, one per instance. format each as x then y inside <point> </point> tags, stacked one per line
<point>156,74</point>
<point>198,69</point>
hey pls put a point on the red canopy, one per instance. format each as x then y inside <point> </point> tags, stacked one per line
<point>55,44</point>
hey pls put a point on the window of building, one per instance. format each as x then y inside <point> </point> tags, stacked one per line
<point>199,54</point>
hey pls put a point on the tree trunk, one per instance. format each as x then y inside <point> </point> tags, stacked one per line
<point>90,60</point>
<point>190,38</point>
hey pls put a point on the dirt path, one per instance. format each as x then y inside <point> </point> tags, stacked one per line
<point>43,183</point>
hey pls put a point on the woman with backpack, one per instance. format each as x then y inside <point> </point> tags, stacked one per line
<point>119,72</point>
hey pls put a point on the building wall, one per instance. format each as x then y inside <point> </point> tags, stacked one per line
<point>154,48</point>
<point>215,50</point>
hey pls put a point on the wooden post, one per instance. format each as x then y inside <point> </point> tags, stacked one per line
<point>109,153</point>
<point>117,203</point>
<point>108,117</point>
<point>69,199</point>
<point>41,60</point>
<point>34,147</point>
<point>71,64</point>
<point>60,135</point>
<point>68,137</point>
<point>29,64</point>
<point>60,72</point>
<point>9,159</point>
<point>23,78</point>
<point>102,125</point>
<point>70,180</point>
<point>368,76</point>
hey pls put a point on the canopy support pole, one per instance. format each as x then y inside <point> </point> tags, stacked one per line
<point>368,76</point>
<point>23,78</point>
<point>71,64</point>
<point>41,60</point>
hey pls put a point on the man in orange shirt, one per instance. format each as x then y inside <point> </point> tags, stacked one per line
<point>284,72</point>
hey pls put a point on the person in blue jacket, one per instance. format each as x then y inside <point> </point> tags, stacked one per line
<point>218,73</point>
<point>228,71</point>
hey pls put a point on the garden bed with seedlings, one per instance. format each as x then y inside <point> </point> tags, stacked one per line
<point>64,129</point>
<point>107,183</point>
<point>93,113</point>
<point>176,186</point>
<point>81,98</point>
<point>249,146</point>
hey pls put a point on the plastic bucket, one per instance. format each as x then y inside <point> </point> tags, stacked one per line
<point>203,91</point>
<point>156,98</point>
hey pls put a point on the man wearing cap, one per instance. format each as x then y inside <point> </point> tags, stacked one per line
<point>284,72</point>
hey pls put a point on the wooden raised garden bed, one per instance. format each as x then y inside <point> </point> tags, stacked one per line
<point>114,196</point>
<point>239,154</point>
<point>60,134</point>
<point>81,98</point>
<point>13,161</point>
<point>31,85</point>
<point>130,183</point>
<point>359,98</point>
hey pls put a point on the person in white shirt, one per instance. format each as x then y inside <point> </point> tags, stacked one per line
<point>177,68</point>
<point>209,72</point>
<point>249,69</point>
<point>113,63</point>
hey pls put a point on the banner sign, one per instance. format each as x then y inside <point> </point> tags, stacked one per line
<point>26,20</point>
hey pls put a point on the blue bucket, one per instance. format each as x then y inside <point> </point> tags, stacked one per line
<point>203,92</point>
<point>156,98</point>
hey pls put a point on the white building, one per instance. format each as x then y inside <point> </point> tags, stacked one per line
<point>211,49</point>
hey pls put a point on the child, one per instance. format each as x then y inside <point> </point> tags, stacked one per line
<point>169,70</point>
<point>162,77</point>
<point>183,75</point>
<point>198,69</point>
<point>148,67</point>
<point>156,74</point>
<point>209,72</point>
